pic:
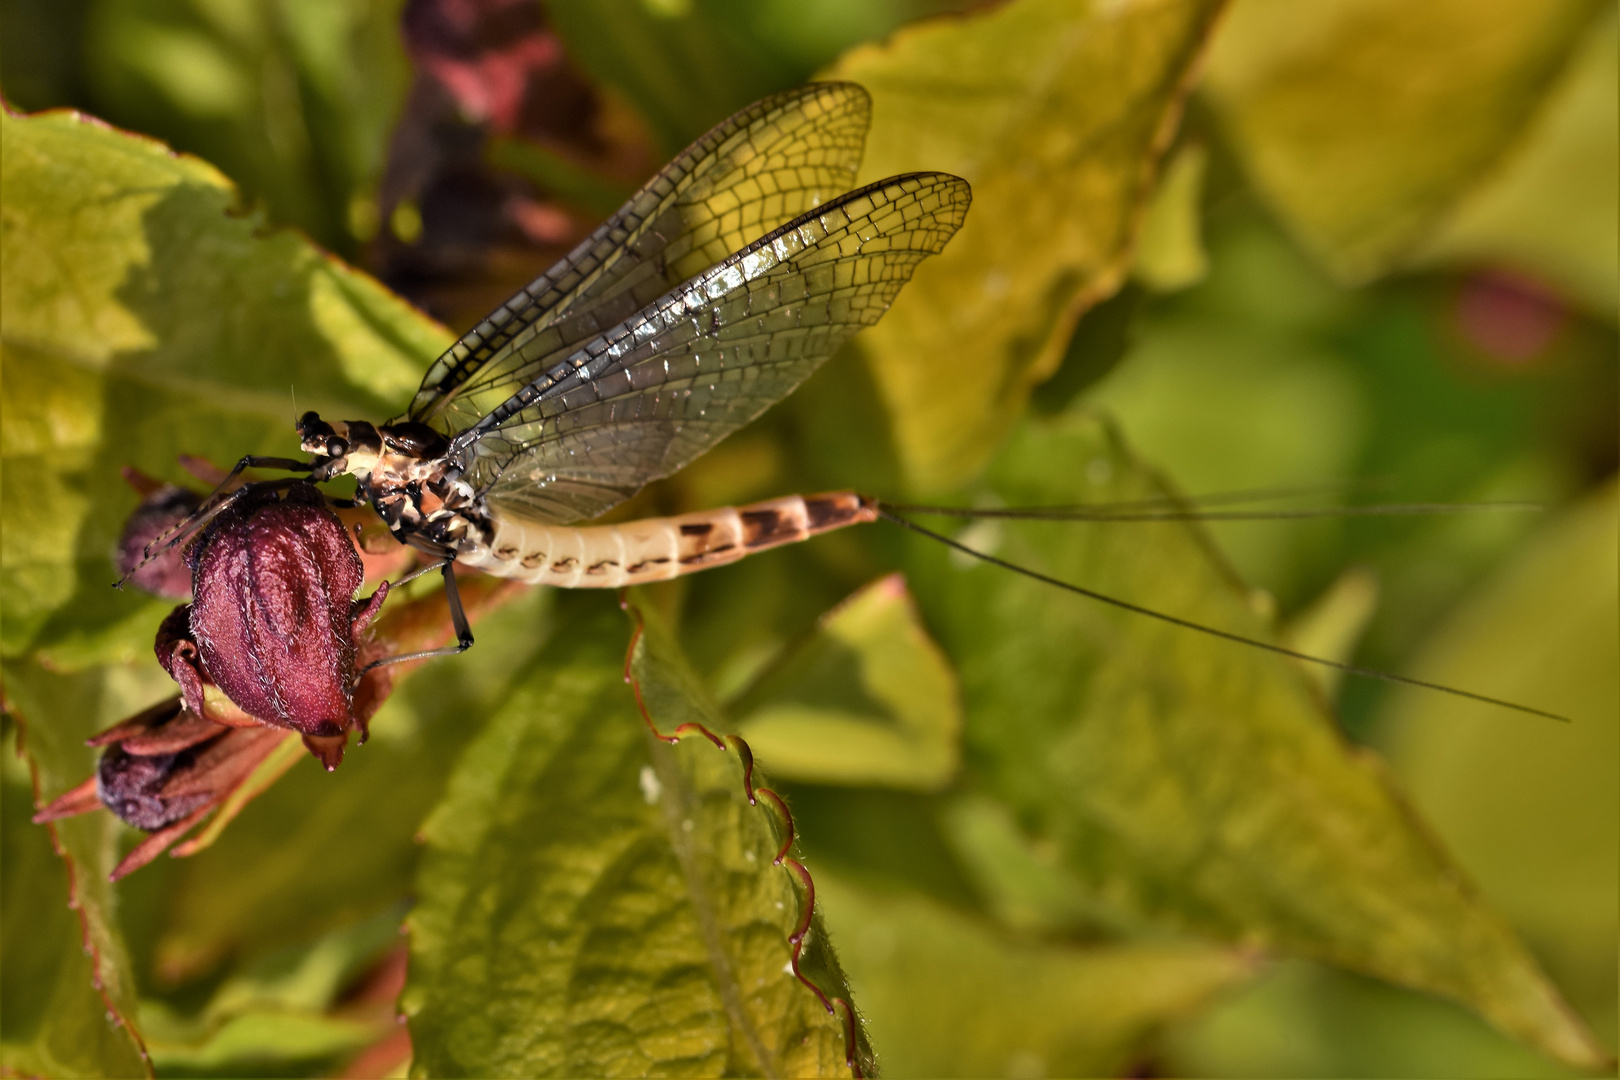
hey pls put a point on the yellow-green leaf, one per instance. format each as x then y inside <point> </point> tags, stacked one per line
<point>1170,252</point>
<point>143,318</point>
<point>947,994</point>
<point>70,992</point>
<point>868,700</point>
<point>1553,207</point>
<point>1363,121</point>
<point>1190,783</point>
<point>56,1021</point>
<point>593,901</point>
<point>1056,112</point>
<point>1533,809</point>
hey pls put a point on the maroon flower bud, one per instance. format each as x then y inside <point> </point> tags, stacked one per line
<point>131,786</point>
<point>163,508</point>
<point>274,621</point>
<point>164,770</point>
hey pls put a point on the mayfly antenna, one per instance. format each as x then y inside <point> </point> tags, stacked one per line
<point>1137,511</point>
<point>888,514</point>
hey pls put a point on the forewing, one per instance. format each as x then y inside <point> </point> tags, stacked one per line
<point>764,166</point>
<point>644,398</point>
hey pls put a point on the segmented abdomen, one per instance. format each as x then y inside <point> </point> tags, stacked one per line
<point>656,549</point>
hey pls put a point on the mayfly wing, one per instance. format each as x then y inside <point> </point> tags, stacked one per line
<point>762,167</point>
<point>652,393</point>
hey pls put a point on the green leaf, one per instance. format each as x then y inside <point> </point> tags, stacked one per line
<point>1025,884</point>
<point>688,64</point>
<point>55,1021</point>
<point>1170,253</point>
<point>1302,1019</point>
<point>946,994</point>
<point>1056,113</point>
<point>294,101</point>
<point>67,973</point>
<point>869,699</point>
<point>1190,783</point>
<point>1333,623</point>
<point>279,1007</point>
<point>1531,809</point>
<point>1550,209</point>
<point>143,319</point>
<point>1245,397</point>
<point>1364,121</point>
<point>594,901</point>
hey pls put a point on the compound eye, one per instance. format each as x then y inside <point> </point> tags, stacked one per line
<point>336,447</point>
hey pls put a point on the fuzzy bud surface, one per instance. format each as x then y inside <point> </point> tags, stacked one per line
<point>273,615</point>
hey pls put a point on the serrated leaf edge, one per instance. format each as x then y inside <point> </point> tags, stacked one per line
<point>97,982</point>
<point>736,744</point>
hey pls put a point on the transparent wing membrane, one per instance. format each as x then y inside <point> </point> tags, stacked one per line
<point>764,166</point>
<point>592,423</point>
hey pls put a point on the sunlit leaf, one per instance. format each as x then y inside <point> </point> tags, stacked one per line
<point>1363,121</point>
<point>1170,252</point>
<point>1532,809</point>
<point>949,995</point>
<point>143,320</point>
<point>594,901</point>
<point>1056,113</point>
<point>1192,783</point>
<point>1551,209</point>
<point>868,700</point>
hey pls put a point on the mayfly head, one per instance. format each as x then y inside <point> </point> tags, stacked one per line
<point>351,446</point>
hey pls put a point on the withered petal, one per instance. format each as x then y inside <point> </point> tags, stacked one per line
<point>143,721</point>
<point>73,801</point>
<point>156,844</point>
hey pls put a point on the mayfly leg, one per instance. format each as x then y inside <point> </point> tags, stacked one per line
<point>218,499</point>
<point>458,618</point>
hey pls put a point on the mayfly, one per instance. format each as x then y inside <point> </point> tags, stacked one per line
<point>712,294</point>
<point>709,296</point>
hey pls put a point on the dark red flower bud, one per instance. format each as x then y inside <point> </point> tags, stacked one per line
<point>164,507</point>
<point>131,786</point>
<point>164,770</point>
<point>274,620</point>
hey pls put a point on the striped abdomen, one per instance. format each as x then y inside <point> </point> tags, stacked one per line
<point>656,549</point>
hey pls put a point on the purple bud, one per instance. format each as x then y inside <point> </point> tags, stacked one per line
<point>131,786</point>
<point>274,620</point>
<point>164,507</point>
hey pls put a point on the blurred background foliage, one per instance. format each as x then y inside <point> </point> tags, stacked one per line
<point>1376,259</point>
